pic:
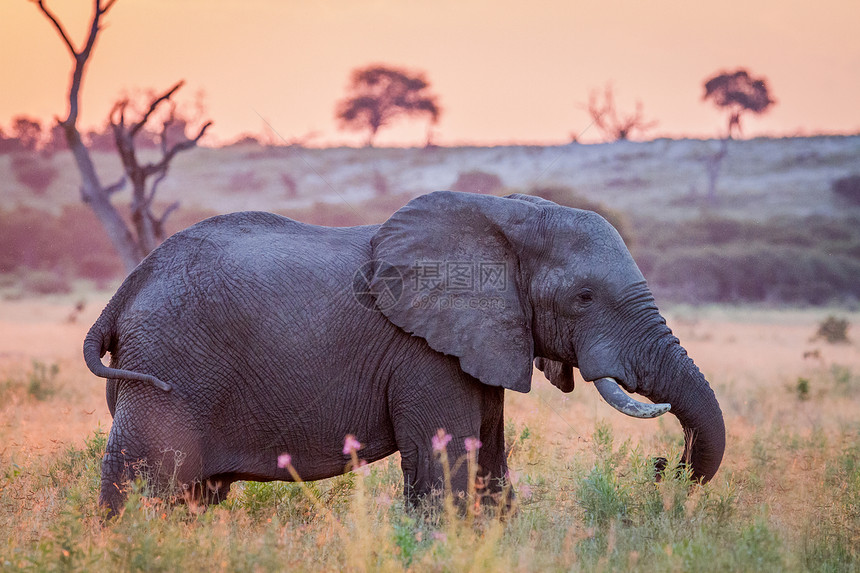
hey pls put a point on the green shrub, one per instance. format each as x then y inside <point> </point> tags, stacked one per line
<point>41,380</point>
<point>802,389</point>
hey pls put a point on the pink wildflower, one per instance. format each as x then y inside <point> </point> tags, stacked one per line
<point>350,445</point>
<point>472,444</point>
<point>440,440</point>
<point>525,491</point>
<point>439,536</point>
<point>284,460</point>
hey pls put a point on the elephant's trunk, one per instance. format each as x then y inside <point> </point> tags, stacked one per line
<point>682,385</point>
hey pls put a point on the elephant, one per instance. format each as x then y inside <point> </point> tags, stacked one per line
<point>250,335</point>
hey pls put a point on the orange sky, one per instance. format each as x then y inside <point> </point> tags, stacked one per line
<point>505,71</point>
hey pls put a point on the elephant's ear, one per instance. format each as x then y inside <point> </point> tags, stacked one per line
<point>559,373</point>
<point>457,254</point>
<point>534,199</point>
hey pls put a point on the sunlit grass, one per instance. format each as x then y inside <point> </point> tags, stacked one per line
<point>786,498</point>
<point>604,513</point>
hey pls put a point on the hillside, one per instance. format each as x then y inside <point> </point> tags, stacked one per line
<point>663,179</point>
<point>775,231</point>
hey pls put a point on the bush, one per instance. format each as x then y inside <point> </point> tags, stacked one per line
<point>848,188</point>
<point>41,381</point>
<point>802,389</point>
<point>246,181</point>
<point>71,244</point>
<point>478,182</point>
<point>68,243</point>
<point>34,171</point>
<point>839,236</point>
<point>833,330</point>
<point>752,272</point>
<point>808,260</point>
<point>45,282</point>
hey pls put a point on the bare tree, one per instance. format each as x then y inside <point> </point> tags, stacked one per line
<point>149,228</point>
<point>131,246</point>
<point>738,92</point>
<point>614,125</point>
<point>380,94</point>
<point>713,164</point>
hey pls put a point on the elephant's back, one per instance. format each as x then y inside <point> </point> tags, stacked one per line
<point>256,293</point>
<point>253,246</point>
<point>249,234</point>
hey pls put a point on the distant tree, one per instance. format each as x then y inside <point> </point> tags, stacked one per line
<point>131,244</point>
<point>28,132</point>
<point>8,144</point>
<point>738,92</point>
<point>377,95</point>
<point>612,124</point>
<point>55,140</point>
<point>101,139</point>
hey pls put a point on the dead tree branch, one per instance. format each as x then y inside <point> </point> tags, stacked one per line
<point>149,227</point>
<point>132,244</point>
<point>613,125</point>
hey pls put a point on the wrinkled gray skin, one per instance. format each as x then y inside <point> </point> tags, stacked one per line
<point>251,320</point>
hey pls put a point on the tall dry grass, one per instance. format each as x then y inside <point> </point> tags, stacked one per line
<point>786,498</point>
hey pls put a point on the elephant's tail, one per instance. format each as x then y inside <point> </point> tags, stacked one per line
<point>96,344</point>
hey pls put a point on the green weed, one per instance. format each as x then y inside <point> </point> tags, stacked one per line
<point>38,383</point>
<point>802,389</point>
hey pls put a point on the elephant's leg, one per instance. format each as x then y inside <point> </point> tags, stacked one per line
<point>493,464</point>
<point>163,449</point>
<point>117,471</point>
<point>423,469</point>
<point>462,407</point>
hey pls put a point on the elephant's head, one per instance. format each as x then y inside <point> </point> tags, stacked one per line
<point>498,282</point>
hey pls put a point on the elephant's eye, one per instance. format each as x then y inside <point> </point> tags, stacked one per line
<point>585,297</point>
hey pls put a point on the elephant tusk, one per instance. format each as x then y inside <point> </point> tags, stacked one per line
<point>611,391</point>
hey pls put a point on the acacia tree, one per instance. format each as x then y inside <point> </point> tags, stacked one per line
<point>131,244</point>
<point>379,94</point>
<point>615,125</point>
<point>738,92</point>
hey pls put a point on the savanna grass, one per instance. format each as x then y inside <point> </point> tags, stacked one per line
<point>792,503</point>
